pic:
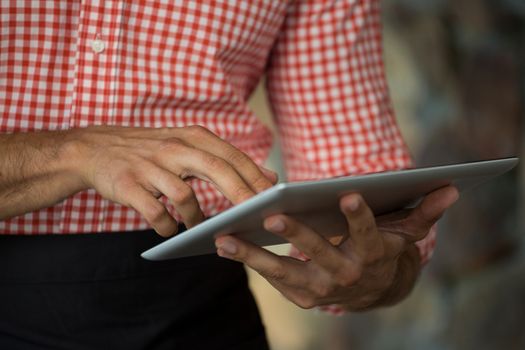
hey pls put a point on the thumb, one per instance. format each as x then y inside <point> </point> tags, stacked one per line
<point>432,208</point>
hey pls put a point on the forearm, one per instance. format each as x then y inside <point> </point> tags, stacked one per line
<point>36,171</point>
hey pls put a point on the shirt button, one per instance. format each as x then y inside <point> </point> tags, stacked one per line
<point>98,45</point>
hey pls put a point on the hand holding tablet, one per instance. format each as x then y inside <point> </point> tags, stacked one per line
<point>316,204</point>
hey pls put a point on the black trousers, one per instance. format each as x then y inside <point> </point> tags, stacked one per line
<point>94,291</point>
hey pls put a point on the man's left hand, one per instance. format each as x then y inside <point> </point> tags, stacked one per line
<point>358,272</point>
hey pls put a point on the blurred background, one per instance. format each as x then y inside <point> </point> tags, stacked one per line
<point>456,70</point>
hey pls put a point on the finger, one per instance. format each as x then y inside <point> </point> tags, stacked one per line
<point>363,234</point>
<point>219,172</point>
<point>284,270</point>
<point>429,211</point>
<point>433,205</point>
<point>185,161</point>
<point>257,177</point>
<point>315,246</point>
<point>301,297</point>
<point>152,210</point>
<point>202,138</point>
<point>393,227</point>
<point>180,194</point>
<point>270,174</point>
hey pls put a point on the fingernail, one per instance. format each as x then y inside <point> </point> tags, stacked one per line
<point>228,247</point>
<point>456,196</point>
<point>277,225</point>
<point>270,171</point>
<point>353,204</point>
<point>267,172</point>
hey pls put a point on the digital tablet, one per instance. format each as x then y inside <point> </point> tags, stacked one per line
<point>316,203</point>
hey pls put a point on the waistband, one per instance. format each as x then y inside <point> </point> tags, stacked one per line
<point>100,256</point>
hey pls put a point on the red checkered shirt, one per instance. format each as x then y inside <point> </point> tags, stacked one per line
<point>164,63</point>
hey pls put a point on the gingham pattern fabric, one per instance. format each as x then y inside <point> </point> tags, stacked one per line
<point>165,63</point>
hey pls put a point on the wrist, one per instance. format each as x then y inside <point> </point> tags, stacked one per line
<point>72,158</point>
<point>38,171</point>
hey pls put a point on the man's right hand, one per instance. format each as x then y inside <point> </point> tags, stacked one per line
<point>135,166</point>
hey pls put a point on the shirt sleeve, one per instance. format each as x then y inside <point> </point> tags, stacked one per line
<point>327,87</point>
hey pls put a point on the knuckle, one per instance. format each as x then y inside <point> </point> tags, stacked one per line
<point>277,273</point>
<point>318,250</point>
<point>242,255</point>
<point>322,290</point>
<point>290,233</point>
<point>167,232</point>
<point>171,144</point>
<point>125,180</point>
<point>237,158</point>
<point>242,192</point>
<point>366,227</point>
<point>183,195</point>
<point>370,225</point>
<point>198,131</point>
<point>214,163</point>
<point>261,182</point>
<point>348,277</point>
<point>154,213</point>
<point>123,185</point>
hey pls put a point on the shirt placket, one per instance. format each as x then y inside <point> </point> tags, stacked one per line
<point>93,95</point>
<point>95,83</point>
